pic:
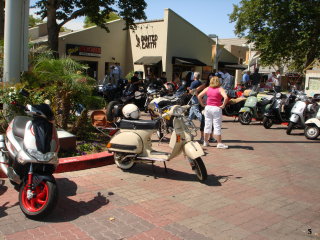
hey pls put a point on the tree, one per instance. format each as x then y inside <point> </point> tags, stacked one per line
<point>59,12</point>
<point>2,4</point>
<point>88,23</point>
<point>286,31</point>
<point>34,21</point>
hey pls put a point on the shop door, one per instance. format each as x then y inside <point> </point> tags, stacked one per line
<point>92,71</point>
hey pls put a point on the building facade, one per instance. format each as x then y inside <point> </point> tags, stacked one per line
<point>170,45</point>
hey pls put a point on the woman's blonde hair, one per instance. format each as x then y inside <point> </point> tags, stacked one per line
<point>214,82</point>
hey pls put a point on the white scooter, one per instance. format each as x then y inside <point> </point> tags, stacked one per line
<point>28,156</point>
<point>300,112</point>
<point>312,129</point>
<point>133,144</point>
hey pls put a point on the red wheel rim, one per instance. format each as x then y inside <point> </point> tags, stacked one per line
<point>40,199</point>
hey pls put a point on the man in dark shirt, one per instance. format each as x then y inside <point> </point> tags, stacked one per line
<point>135,81</point>
<point>256,78</point>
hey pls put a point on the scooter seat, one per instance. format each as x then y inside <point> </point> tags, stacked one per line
<point>19,125</point>
<point>236,100</point>
<point>138,124</point>
<point>264,102</point>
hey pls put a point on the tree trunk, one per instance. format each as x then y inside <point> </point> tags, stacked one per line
<point>2,4</point>
<point>79,125</point>
<point>53,28</point>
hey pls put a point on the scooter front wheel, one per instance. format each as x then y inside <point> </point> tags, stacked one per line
<point>245,118</point>
<point>44,199</point>
<point>312,132</point>
<point>267,122</point>
<point>199,168</point>
<point>289,128</point>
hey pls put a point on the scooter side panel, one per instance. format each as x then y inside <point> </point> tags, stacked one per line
<point>313,121</point>
<point>294,118</point>
<point>251,102</point>
<point>299,107</point>
<point>193,150</point>
<point>129,142</point>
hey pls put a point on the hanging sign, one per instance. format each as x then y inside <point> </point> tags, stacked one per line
<point>80,50</point>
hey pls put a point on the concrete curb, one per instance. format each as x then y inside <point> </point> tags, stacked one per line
<point>77,163</point>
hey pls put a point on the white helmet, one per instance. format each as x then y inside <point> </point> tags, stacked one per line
<point>131,111</point>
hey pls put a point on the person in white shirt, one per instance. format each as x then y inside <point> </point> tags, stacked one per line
<point>277,81</point>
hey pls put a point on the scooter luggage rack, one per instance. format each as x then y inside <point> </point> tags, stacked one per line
<point>99,122</point>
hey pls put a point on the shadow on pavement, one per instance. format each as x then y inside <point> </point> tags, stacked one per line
<point>241,147</point>
<point>3,188</point>
<point>68,209</point>
<point>159,172</point>
<point>245,141</point>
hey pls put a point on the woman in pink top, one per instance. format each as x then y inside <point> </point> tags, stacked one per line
<point>213,110</point>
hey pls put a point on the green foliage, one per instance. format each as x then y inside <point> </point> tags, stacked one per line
<point>97,11</point>
<point>130,75</point>
<point>286,31</point>
<point>111,17</point>
<point>96,102</point>
<point>34,21</point>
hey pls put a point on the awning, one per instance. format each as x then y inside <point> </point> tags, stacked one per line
<point>148,60</point>
<point>236,66</point>
<point>187,61</point>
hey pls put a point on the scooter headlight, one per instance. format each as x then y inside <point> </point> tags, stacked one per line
<point>40,156</point>
<point>178,111</point>
<point>278,95</point>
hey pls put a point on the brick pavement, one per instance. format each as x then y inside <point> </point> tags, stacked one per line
<point>266,186</point>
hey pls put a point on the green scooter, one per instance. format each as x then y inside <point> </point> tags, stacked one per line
<point>253,108</point>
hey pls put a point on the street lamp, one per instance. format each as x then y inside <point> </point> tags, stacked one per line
<point>248,45</point>
<point>215,36</point>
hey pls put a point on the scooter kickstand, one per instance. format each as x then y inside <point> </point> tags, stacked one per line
<point>165,167</point>
<point>153,170</point>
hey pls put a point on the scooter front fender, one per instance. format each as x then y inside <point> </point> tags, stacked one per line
<point>294,118</point>
<point>245,109</point>
<point>313,121</point>
<point>37,179</point>
<point>193,150</point>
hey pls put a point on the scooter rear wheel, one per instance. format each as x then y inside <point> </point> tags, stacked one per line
<point>123,164</point>
<point>42,203</point>
<point>200,169</point>
<point>245,118</point>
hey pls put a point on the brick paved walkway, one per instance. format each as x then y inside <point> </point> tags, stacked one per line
<point>266,186</point>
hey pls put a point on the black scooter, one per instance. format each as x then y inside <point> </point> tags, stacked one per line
<point>279,110</point>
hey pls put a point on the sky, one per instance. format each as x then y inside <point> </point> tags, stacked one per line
<point>209,16</point>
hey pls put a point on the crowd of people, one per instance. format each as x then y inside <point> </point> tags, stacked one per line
<point>208,98</point>
<point>254,80</point>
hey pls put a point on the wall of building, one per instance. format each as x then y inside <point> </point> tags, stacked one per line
<point>149,39</point>
<point>312,83</point>
<point>113,45</point>
<point>185,40</point>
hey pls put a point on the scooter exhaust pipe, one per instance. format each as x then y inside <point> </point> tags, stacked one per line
<point>4,167</point>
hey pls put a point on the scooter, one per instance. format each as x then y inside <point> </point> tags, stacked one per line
<point>133,144</point>
<point>302,110</point>
<point>312,129</point>
<point>235,103</point>
<point>29,156</point>
<point>279,110</point>
<point>253,108</point>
